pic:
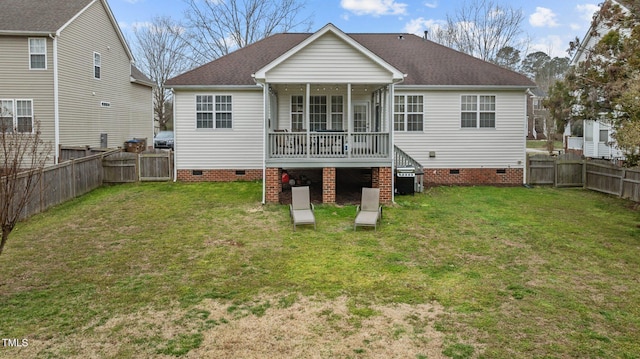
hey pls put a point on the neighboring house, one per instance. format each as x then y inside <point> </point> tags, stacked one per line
<point>66,64</point>
<point>536,115</point>
<point>597,140</point>
<point>330,101</point>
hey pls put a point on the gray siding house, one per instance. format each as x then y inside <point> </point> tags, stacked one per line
<point>66,64</point>
<point>331,101</point>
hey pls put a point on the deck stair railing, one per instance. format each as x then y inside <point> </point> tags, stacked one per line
<point>402,159</point>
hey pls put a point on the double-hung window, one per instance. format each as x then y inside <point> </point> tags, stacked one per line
<point>37,53</point>
<point>478,111</point>
<point>408,113</point>
<point>214,111</point>
<point>97,65</point>
<point>297,113</point>
<point>16,115</point>
<point>337,112</point>
<point>6,116</point>
<point>223,112</point>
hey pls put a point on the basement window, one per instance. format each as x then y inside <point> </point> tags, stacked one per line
<point>196,173</point>
<point>240,173</point>
<point>501,171</point>
<point>454,172</point>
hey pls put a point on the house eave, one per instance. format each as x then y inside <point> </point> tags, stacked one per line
<point>215,87</point>
<point>142,82</point>
<point>25,33</point>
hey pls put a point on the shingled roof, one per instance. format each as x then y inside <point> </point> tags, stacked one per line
<point>425,63</point>
<point>38,16</point>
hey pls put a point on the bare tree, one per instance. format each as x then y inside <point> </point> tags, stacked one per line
<point>220,27</point>
<point>482,28</point>
<point>23,155</point>
<point>162,53</point>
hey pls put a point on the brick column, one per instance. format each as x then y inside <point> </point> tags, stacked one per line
<point>375,177</point>
<point>329,185</point>
<point>385,181</point>
<point>272,184</point>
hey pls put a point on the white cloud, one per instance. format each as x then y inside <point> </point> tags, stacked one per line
<point>543,17</point>
<point>586,11</point>
<point>431,5</point>
<point>374,7</point>
<point>419,25</point>
<point>552,45</point>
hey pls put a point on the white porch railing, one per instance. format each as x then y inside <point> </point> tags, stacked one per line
<point>328,145</point>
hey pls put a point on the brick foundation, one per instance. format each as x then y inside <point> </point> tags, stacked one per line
<point>474,176</point>
<point>219,175</point>
<point>329,185</point>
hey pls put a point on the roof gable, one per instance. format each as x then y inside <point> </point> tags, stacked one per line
<point>346,44</point>
<point>42,18</point>
<point>37,16</point>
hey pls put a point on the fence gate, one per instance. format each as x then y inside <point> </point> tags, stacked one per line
<point>126,167</point>
<point>563,171</point>
<point>155,166</point>
<point>120,167</point>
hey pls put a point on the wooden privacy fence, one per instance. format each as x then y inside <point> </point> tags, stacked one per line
<point>570,170</point>
<point>63,182</point>
<point>75,177</point>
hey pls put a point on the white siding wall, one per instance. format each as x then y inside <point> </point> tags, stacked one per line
<point>82,118</point>
<point>592,145</point>
<point>456,147</point>
<point>237,148</point>
<point>17,82</point>
<point>318,63</point>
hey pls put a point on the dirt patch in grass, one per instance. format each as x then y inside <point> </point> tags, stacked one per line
<point>271,327</point>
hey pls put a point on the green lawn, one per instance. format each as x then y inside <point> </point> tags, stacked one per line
<point>542,144</point>
<point>204,270</point>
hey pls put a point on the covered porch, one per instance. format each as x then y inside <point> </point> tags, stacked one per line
<point>339,125</point>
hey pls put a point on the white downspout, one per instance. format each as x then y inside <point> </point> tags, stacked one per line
<point>265,109</point>
<point>175,137</point>
<point>392,150</point>
<point>526,121</point>
<point>56,103</point>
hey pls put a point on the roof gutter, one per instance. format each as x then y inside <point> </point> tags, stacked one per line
<point>24,33</point>
<point>465,87</point>
<point>215,87</point>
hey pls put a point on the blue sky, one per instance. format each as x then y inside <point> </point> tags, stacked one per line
<point>551,24</point>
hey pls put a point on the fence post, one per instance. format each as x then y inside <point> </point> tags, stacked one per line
<point>73,175</point>
<point>624,176</point>
<point>584,173</point>
<point>555,172</point>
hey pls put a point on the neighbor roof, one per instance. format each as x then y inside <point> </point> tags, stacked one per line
<point>38,16</point>
<point>424,62</point>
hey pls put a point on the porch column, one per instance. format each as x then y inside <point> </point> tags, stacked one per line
<point>385,183</point>
<point>307,117</point>
<point>329,185</point>
<point>392,149</point>
<point>349,120</point>
<point>272,184</point>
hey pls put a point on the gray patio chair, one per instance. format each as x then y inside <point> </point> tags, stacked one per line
<point>301,208</point>
<point>369,212</point>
